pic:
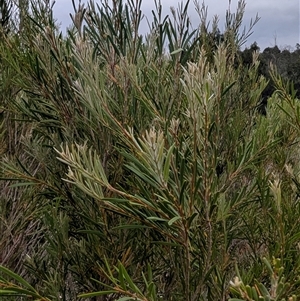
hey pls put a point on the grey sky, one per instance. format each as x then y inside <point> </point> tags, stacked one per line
<point>279,21</point>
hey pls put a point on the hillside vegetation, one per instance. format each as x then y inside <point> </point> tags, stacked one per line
<point>142,168</point>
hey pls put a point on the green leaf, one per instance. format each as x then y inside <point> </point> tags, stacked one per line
<point>173,220</point>
<point>126,298</point>
<point>16,277</point>
<point>176,51</point>
<point>129,227</point>
<point>166,170</point>
<point>20,184</point>
<point>249,291</point>
<point>143,176</point>
<point>156,218</point>
<point>126,276</point>
<point>228,88</point>
<point>164,243</point>
<point>19,291</point>
<point>191,218</point>
<point>95,294</point>
<point>263,290</point>
<point>268,265</point>
<point>6,292</point>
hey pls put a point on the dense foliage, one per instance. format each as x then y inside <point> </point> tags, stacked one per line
<point>286,61</point>
<point>142,168</point>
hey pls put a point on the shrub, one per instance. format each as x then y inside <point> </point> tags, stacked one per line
<point>140,168</point>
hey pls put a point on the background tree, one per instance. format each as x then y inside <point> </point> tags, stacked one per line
<point>5,15</point>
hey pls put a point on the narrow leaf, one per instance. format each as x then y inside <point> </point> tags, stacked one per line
<point>95,294</point>
<point>173,220</point>
<point>176,51</point>
<point>17,278</point>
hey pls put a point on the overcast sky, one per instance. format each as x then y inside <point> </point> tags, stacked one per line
<point>279,23</point>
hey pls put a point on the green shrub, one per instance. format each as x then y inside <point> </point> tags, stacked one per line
<point>140,168</point>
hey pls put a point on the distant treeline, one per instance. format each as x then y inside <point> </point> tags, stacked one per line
<point>287,63</point>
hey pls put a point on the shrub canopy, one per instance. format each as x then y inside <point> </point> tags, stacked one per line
<point>140,167</point>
